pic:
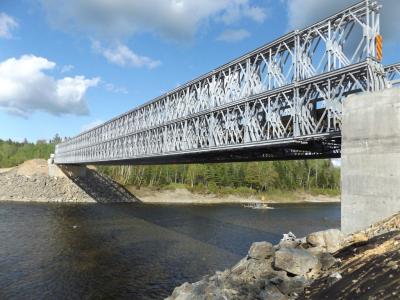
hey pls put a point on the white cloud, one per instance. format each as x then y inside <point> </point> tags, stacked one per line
<point>242,9</point>
<point>7,24</point>
<point>91,125</point>
<point>115,89</point>
<point>176,19</point>
<point>302,13</point>
<point>67,68</point>
<point>233,35</point>
<point>121,55</point>
<point>25,88</point>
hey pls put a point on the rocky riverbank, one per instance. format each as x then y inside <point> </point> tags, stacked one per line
<point>30,182</point>
<point>323,265</point>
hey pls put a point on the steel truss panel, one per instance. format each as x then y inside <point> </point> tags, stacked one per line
<point>393,74</point>
<point>287,91</point>
<point>293,115</point>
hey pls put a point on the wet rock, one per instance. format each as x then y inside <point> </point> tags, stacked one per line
<point>295,261</point>
<point>261,250</point>
<point>331,239</point>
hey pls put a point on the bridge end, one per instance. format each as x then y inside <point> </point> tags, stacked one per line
<point>65,170</point>
<point>370,158</point>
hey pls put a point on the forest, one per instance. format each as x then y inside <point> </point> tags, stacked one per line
<point>14,153</point>
<point>315,176</point>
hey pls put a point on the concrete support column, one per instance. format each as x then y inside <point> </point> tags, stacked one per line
<point>370,158</point>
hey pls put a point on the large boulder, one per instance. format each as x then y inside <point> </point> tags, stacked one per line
<point>331,239</point>
<point>261,250</point>
<point>295,261</point>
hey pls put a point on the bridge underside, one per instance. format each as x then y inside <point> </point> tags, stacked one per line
<point>311,148</point>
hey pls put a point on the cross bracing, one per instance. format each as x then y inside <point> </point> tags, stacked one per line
<point>393,74</point>
<point>280,101</point>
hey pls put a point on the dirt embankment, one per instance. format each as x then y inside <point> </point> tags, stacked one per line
<point>30,182</point>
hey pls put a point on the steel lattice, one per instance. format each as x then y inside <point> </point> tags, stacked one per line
<point>393,74</point>
<point>280,101</point>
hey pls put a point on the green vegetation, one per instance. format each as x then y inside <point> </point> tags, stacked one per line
<point>260,179</point>
<point>14,153</point>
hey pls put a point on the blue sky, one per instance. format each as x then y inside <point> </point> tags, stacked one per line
<point>67,65</point>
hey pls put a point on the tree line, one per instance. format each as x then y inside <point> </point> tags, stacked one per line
<point>13,153</point>
<point>250,177</point>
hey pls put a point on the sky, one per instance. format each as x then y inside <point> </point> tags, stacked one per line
<point>67,66</point>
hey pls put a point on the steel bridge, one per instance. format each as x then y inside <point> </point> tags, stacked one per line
<point>280,101</point>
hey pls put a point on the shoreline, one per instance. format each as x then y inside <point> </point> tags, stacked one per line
<point>184,196</point>
<point>30,182</point>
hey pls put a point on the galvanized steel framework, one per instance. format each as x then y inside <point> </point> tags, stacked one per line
<point>393,74</point>
<point>281,101</point>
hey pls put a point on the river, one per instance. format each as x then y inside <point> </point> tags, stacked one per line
<point>134,251</point>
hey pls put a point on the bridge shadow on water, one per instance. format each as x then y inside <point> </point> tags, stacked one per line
<point>102,188</point>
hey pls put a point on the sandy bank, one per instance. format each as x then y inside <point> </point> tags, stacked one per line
<point>147,195</point>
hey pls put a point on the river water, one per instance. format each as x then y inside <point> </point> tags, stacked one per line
<point>134,251</point>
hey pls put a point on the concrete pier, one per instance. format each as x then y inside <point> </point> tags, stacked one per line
<point>370,158</point>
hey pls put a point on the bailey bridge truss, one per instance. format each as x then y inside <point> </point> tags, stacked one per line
<point>280,101</point>
<point>393,74</point>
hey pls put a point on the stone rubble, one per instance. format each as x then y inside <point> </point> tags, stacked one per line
<point>40,188</point>
<point>269,272</point>
<point>306,268</point>
<point>19,185</point>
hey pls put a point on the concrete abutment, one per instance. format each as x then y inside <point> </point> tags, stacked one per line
<point>370,158</point>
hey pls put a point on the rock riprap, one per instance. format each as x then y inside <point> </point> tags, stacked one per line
<point>268,272</point>
<point>366,263</point>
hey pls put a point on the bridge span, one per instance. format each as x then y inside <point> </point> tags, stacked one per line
<point>280,101</point>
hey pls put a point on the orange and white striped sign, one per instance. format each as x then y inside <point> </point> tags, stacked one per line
<point>379,51</point>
